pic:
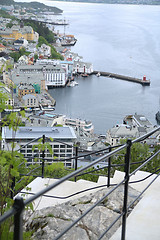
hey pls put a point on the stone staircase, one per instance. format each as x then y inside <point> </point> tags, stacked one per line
<point>65,189</point>
<point>142,223</point>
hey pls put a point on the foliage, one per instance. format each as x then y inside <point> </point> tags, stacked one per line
<point>43,146</point>
<point>3,99</point>
<point>56,170</point>
<point>139,152</point>
<point>35,56</point>
<point>9,25</point>
<point>41,29</point>
<point>54,53</point>
<point>39,7</point>
<point>9,67</point>
<point>41,41</point>
<point>10,168</point>
<point>17,55</point>
<point>4,14</point>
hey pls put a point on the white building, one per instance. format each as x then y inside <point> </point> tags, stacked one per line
<point>21,42</point>
<point>44,50</point>
<point>137,120</point>
<point>23,60</point>
<point>70,56</point>
<point>62,143</point>
<point>54,75</point>
<point>123,131</point>
<point>82,67</point>
<point>86,126</point>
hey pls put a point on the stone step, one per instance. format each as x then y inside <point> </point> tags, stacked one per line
<point>65,189</point>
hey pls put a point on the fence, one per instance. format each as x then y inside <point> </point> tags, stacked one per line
<point>19,203</point>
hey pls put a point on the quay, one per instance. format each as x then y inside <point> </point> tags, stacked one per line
<point>143,81</point>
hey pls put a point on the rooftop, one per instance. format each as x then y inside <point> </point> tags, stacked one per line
<point>35,132</point>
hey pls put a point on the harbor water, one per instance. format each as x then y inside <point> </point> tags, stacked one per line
<point>122,39</point>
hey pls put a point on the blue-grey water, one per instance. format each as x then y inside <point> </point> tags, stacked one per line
<point>122,39</point>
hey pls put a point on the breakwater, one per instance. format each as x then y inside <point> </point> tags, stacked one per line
<point>143,81</point>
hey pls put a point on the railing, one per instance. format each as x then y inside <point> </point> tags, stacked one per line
<point>19,203</point>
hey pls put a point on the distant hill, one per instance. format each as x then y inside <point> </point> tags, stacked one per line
<point>35,5</point>
<point>6,2</point>
<point>137,2</point>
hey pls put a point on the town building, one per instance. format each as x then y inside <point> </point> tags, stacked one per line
<point>82,67</point>
<point>70,56</point>
<point>123,131</point>
<point>21,42</point>
<point>85,125</point>
<point>18,31</point>
<point>30,101</point>
<point>2,48</point>
<point>62,143</point>
<point>24,89</point>
<point>137,120</point>
<point>54,75</point>
<point>23,60</point>
<point>9,102</point>
<point>35,78</point>
<point>133,127</point>
<point>44,50</point>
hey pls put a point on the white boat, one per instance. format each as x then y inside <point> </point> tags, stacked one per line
<point>72,84</point>
<point>98,74</point>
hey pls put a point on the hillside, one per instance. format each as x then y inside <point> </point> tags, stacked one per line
<point>34,5</point>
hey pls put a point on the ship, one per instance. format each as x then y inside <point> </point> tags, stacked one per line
<point>158,117</point>
<point>68,40</point>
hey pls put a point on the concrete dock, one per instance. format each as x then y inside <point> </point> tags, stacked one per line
<point>143,81</point>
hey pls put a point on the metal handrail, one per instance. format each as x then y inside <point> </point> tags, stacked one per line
<point>19,204</point>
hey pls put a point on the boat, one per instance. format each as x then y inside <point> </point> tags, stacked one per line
<point>68,40</point>
<point>158,116</point>
<point>65,43</point>
<point>98,74</point>
<point>72,84</point>
<point>84,75</point>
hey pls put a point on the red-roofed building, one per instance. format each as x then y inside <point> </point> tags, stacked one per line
<point>2,47</point>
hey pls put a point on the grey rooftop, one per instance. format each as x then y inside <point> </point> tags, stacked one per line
<point>35,132</point>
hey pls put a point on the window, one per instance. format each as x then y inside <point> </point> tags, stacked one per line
<point>56,146</point>
<point>62,146</point>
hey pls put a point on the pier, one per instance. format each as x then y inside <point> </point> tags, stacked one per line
<point>143,81</point>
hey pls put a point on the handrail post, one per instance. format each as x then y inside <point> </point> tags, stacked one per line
<point>43,155</point>
<point>109,169</point>
<point>76,159</point>
<point>127,170</point>
<point>12,187</point>
<point>18,225</point>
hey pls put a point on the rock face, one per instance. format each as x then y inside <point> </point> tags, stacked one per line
<point>49,222</point>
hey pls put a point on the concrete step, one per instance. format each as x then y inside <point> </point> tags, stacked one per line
<point>143,222</point>
<point>65,189</point>
<point>119,176</point>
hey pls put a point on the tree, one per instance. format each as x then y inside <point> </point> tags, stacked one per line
<point>42,30</point>
<point>9,25</point>
<point>35,57</point>
<point>54,53</point>
<point>10,168</point>
<point>139,152</point>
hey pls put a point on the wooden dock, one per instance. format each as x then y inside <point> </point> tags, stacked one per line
<point>144,82</point>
